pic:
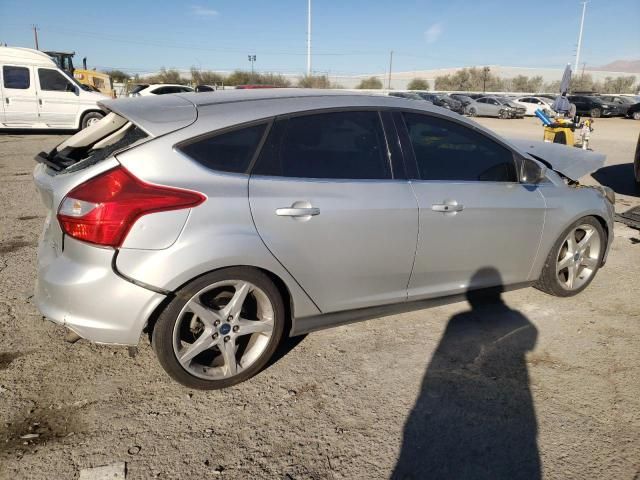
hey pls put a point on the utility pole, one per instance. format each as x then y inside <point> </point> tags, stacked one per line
<point>309,39</point>
<point>584,65</point>
<point>252,58</point>
<point>35,36</point>
<point>390,66</point>
<point>584,9</point>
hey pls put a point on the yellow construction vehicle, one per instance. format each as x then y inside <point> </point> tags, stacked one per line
<point>91,79</point>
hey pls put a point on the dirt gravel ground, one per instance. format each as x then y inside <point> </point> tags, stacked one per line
<point>534,386</point>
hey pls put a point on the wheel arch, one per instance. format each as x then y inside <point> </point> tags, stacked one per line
<point>85,112</point>
<point>283,289</point>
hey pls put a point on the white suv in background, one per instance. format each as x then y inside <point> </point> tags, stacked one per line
<point>158,89</point>
<point>35,93</point>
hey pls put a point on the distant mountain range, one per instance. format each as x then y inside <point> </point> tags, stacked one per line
<point>627,66</point>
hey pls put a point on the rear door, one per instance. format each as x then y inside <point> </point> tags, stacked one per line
<point>329,200</point>
<point>474,213</point>
<point>19,96</point>
<point>58,98</point>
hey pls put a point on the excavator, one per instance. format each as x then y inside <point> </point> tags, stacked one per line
<point>91,79</point>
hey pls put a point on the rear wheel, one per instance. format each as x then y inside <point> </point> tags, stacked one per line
<point>595,113</point>
<point>90,118</point>
<point>221,329</point>
<point>574,259</point>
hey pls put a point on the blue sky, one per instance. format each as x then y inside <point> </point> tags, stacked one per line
<point>349,37</point>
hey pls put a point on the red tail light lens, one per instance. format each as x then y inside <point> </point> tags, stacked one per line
<point>103,210</point>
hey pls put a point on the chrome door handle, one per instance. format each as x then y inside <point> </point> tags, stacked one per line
<point>447,207</point>
<point>297,212</point>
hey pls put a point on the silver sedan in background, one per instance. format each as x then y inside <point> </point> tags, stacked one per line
<point>220,223</point>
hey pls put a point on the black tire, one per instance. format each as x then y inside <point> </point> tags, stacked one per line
<point>89,118</point>
<point>595,113</point>
<point>472,112</point>
<point>162,336</point>
<point>548,281</point>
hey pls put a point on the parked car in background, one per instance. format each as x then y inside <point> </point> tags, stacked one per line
<point>224,222</point>
<point>489,107</point>
<point>634,111</point>
<point>466,101</point>
<point>444,101</point>
<point>531,104</point>
<point>205,88</point>
<point>407,95</point>
<point>143,89</point>
<point>516,111</point>
<point>36,93</point>
<point>592,106</point>
<point>623,102</point>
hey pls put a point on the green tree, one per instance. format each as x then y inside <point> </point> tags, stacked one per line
<point>370,83</point>
<point>470,80</point>
<point>206,77</point>
<point>418,84</point>
<point>166,76</point>
<point>117,75</point>
<point>314,81</point>
<point>623,84</point>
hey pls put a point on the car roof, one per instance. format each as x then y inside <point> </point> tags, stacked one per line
<point>153,85</point>
<point>25,56</point>
<point>204,112</point>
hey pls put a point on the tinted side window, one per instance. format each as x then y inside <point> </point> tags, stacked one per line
<point>52,80</point>
<point>16,77</point>
<point>347,145</point>
<point>227,152</point>
<point>446,150</point>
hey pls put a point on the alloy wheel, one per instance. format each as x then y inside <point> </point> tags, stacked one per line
<point>578,257</point>
<point>223,329</point>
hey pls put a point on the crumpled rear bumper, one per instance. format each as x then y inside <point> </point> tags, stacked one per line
<point>77,288</point>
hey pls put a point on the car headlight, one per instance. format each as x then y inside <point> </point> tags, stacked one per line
<point>607,193</point>
<point>605,106</point>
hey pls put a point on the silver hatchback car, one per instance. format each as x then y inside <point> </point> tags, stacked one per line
<point>220,223</point>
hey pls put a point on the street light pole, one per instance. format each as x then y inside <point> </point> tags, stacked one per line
<point>252,58</point>
<point>584,9</point>
<point>485,73</point>
<point>309,38</point>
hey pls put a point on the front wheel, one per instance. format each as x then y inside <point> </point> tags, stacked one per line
<point>636,115</point>
<point>221,329</point>
<point>595,113</point>
<point>472,112</point>
<point>504,114</point>
<point>574,259</point>
<point>90,118</point>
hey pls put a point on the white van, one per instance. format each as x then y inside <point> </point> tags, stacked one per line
<point>35,93</point>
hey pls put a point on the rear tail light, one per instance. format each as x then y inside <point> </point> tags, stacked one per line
<point>103,210</point>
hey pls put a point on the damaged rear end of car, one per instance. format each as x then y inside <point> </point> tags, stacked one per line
<point>93,206</point>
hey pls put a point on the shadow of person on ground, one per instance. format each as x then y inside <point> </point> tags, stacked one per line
<point>618,177</point>
<point>474,416</point>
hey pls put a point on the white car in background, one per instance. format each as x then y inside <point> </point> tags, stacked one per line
<point>144,89</point>
<point>534,103</point>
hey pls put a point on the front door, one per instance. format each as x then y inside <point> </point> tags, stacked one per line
<point>475,217</point>
<point>19,96</point>
<point>325,202</point>
<point>57,98</point>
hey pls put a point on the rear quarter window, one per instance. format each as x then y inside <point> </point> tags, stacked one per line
<point>16,77</point>
<point>230,151</point>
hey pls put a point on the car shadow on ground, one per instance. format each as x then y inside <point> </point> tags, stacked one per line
<point>619,178</point>
<point>474,417</point>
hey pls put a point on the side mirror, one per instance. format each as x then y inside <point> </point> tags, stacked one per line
<point>531,172</point>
